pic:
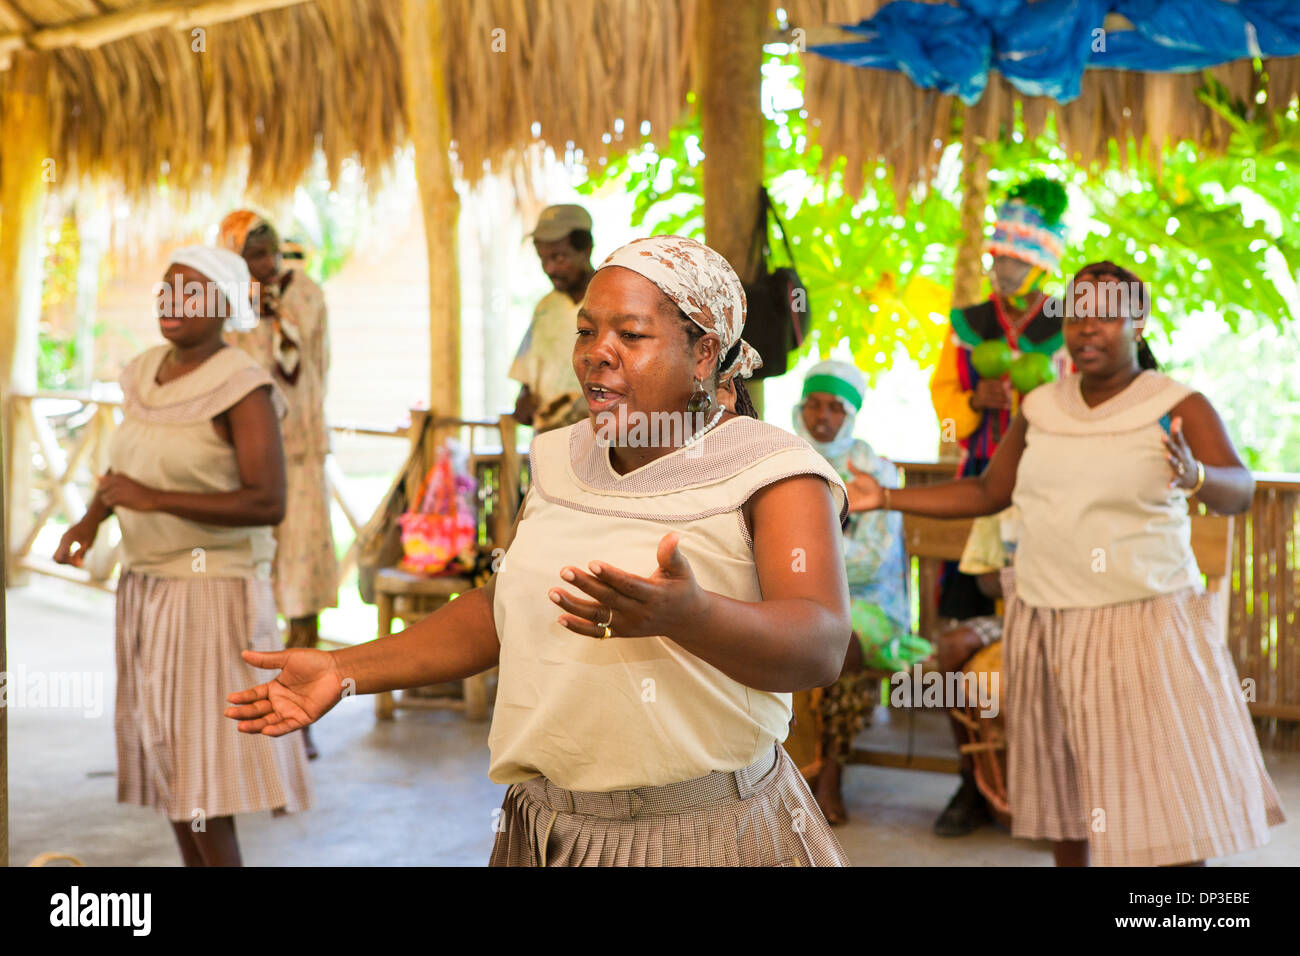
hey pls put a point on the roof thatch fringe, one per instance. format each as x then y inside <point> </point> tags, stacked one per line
<point>267,89</point>
<point>877,115</point>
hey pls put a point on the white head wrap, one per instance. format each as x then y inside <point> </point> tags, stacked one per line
<point>229,273</point>
<point>701,283</point>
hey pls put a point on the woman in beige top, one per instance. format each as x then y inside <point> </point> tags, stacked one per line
<point>676,573</point>
<point>196,482</point>
<point>1128,740</point>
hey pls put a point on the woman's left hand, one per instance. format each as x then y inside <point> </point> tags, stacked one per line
<point>632,606</point>
<point>1181,460</point>
<point>119,491</point>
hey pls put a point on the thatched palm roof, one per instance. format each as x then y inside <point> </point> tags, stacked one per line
<point>269,87</point>
<point>869,115</point>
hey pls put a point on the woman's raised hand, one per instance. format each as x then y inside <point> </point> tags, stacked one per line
<point>663,604</point>
<point>865,493</point>
<point>307,686</point>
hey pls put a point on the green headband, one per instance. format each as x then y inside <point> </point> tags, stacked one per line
<point>834,386</point>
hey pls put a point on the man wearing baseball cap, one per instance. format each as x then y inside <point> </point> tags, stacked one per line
<point>551,396</point>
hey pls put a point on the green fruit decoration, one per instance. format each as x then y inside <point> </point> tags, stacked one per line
<point>1030,371</point>
<point>991,359</point>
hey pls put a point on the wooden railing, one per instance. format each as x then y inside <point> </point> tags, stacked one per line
<point>70,450</point>
<point>1263,609</point>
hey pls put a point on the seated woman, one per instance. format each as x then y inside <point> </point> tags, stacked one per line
<point>642,725</point>
<point>875,564</point>
<point>197,483</point>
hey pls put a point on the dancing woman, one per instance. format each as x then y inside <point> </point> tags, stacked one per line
<point>639,721</point>
<point>1128,739</point>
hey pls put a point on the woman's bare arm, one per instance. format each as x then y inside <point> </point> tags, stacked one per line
<point>457,641</point>
<point>259,453</point>
<point>1229,486</point>
<point>984,494</point>
<point>796,636</point>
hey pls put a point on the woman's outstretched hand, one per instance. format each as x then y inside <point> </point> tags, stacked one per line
<point>663,604</point>
<point>307,686</point>
<point>865,493</point>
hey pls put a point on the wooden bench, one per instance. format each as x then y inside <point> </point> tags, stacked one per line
<point>406,597</point>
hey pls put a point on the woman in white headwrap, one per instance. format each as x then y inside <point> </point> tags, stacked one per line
<point>675,574</point>
<point>876,568</point>
<point>196,482</point>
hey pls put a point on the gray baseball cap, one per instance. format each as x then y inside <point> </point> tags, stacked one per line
<point>556,222</point>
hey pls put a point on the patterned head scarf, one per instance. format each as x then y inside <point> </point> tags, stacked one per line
<point>235,228</point>
<point>701,283</point>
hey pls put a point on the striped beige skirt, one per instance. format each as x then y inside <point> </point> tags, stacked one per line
<point>178,644</point>
<point>1127,727</point>
<point>763,815</point>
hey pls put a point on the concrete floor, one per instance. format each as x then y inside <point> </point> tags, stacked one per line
<point>411,792</point>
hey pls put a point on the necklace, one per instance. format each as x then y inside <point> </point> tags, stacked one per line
<point>701,433</point>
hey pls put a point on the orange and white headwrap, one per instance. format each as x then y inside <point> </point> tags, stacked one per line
<point>234,229</point>
<point>701,283</point>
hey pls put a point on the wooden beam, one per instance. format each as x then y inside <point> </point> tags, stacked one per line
<point>428,117</point>
<point>729,37</point>
<point>25,172</point>
<point>117,25</point>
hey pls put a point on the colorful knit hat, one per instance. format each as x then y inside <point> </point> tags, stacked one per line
<point>1029,225</point>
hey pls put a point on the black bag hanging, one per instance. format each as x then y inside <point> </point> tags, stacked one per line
<point>779,316</point>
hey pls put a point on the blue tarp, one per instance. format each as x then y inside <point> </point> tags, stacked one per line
<point>1043,48</point>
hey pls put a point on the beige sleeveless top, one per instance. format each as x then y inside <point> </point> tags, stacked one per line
<point>1099,524</point>
<point>166,441</point>
<point>601,715</point>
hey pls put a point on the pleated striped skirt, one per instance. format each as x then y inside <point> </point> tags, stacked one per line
<point>771,821</point>
<point>1127,727</point>
<point>178,644</point>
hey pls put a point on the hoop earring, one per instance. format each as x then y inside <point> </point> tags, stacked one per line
<point>700,401</point>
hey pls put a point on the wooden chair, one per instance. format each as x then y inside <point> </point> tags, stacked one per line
<point>934,540</point>
<point>400,595</point>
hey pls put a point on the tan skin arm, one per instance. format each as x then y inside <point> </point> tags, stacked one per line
<point>253,428</point>
<point>793,639</point>
<point>985,494</point>
<point>1197,434</point>
<point>457,641</point>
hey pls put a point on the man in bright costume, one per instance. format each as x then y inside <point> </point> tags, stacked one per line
<point>993,352</point>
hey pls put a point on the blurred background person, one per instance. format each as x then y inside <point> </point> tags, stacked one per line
<point>550,396</point>
<point>875,562</point>
<point>292,343</point>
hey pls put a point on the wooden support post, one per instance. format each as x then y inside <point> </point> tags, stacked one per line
<point>968,270</point>
<point>730,55</point>
<point>428,116</point>
<point>25,170</point>
<point>24,132</point>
